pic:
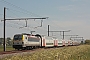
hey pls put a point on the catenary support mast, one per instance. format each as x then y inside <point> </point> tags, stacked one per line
<point>4,43</point>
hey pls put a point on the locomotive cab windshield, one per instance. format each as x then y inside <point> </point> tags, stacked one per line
<point>17,37</point>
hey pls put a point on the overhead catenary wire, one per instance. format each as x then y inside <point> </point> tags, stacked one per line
<point>15,6</point>
<point>11,21</point>
<point>21,9</point>
<point>43,29</point>
<point>33,27</point>
<point>14,21</point>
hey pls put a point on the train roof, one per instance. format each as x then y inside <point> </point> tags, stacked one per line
<point>23,34</point>
<point>28,34</point>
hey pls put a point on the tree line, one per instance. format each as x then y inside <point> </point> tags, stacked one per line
<point>87,42</point>
<point>8,41</point>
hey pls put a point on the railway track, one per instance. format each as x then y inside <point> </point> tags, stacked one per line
<point>23,52</point>
<point>32,50</point>
<point>17,52</point>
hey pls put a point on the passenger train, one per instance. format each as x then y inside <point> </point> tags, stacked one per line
<point>29,41</point>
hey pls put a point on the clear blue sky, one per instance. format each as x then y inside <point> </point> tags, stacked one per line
<point>71,15</point>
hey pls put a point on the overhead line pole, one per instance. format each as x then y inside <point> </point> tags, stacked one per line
<point>69,35</point>
<point>48,30</point>
<point>61,31</point>
<point>4,43</point>
<point>78,37</point>
<point>63,34</point>
<point>26,18</point>
<point>32,32</point>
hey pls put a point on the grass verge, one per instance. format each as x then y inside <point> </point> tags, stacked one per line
<point>81,52</point>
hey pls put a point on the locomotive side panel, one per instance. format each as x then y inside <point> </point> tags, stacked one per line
<point>33,41</point>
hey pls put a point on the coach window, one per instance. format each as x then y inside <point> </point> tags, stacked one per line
<point>25,37</point>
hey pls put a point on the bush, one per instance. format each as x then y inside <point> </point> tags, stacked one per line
<point>87,42</point>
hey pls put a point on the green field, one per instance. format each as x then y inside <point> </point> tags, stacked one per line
<point>8,48</point>
<point>81,52</point>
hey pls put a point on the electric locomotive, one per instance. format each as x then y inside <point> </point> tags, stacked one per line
<point>26,41</point>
